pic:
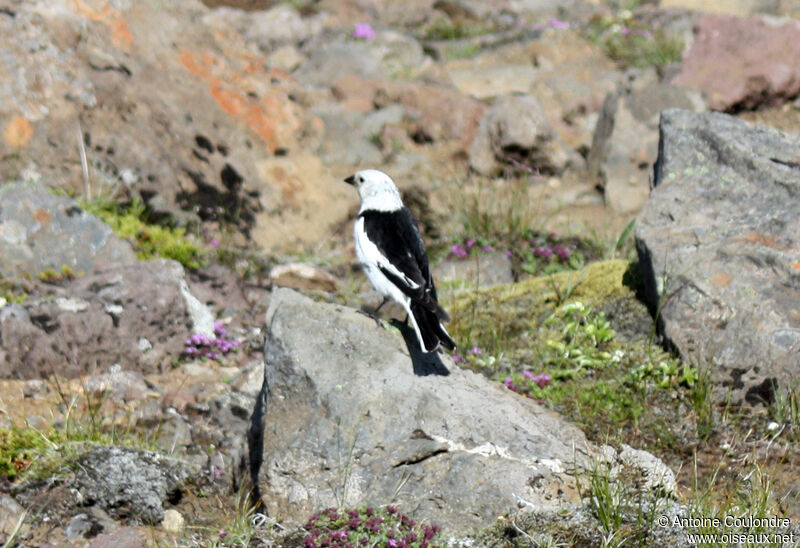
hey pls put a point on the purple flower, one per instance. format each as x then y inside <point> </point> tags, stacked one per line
<point>459,251</point>
<point>543,252</point>
<point>625,31</point>
<point>527,374</point>
<point>542,380</point>
<point>475,350</point>
<point>471,243</point>
<point>558,23</point>
<point>487,248</point>
<point>508,382</point>
<point>223,534</point>
<point>363,31</point>
<point>458,358</point>
<point>509,253</point>
<point>213,243</point>
<point>562,252</point>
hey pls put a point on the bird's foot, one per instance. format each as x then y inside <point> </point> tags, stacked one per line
<point>372,315</point>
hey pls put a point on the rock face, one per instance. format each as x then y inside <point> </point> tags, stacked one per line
<point>100,319</point>
<point>349,423</point>
<point>41,231</point>
<point>742,64</point>
<point>176,108</point>
<point>719,245</point>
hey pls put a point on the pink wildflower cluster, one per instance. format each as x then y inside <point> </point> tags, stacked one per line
<point>367,527</point>
<point>363,31</point>
<point>463,250</point>
<point>555,23</point>
<point>201,346</point>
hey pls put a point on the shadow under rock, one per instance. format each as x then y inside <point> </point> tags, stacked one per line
<point>423,363</point>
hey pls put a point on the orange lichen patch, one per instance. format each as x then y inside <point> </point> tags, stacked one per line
<point>43,216</point>
<point>18,132</point>
<point>767,241</point>
<point>120,35</point>
<point>228,87</point>
<point>796,266</point>
<point>722,279</point>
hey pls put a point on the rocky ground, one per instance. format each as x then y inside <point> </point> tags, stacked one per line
<point>609,192</point>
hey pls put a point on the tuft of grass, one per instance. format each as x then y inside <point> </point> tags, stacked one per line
<point>149,240</point>
<point>29,452</point>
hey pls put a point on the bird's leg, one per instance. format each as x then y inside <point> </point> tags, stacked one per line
<point>374,313</point>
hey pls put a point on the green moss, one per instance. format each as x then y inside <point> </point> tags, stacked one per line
<point>548,339</point>
<point>149,240</point>
<point>504,316</point>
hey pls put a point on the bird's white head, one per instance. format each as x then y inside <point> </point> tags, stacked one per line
<point>377,190</point>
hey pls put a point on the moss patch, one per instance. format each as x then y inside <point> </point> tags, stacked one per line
<point>149,240</point>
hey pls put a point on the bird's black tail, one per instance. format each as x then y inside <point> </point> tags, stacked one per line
<point>429,329</point>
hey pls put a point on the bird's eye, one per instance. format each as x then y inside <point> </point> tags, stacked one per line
<point>360,179</point>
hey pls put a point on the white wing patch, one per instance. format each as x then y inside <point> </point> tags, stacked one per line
<point>371,256</point>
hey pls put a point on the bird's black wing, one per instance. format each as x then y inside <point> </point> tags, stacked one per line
<point>397,237</point>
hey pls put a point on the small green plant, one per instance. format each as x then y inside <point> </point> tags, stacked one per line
<point>368,526</point>
<point>446,29</point>
<point>703,404</point>
<point>632,45</point>
<point>606,498</point>
<point>785,407</point>
<point>51,276</point>
<point>11,293</point>
<point>149,240</point>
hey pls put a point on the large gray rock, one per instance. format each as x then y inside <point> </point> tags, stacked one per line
<point>350,423</point>
<point>41,231</point>
<point>719,247</point>
<point>100,319</point>
<point>625,142</point>
<point>131,484</point>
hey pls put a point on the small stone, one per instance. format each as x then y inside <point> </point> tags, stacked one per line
<point>302,276</point>
<point>174,522</point>
<point>124,537</point>
<point>78,527</point>
<point>144,345</point>
<point>10,514</point>
<point>34,388</point>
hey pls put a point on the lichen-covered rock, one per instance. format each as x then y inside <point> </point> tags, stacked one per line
<point>129,483</point>
<point>719,246</point>
<point>41,231</point>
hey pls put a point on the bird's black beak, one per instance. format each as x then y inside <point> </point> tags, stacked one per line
<point>351,180</point>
